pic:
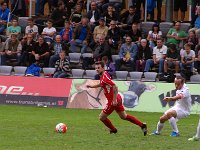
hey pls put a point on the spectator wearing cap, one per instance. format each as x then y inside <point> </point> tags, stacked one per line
<point>153,35</point>
<point>144,53</point>
<point>59,15</point>
<point>93,15</point>
<point>128,18</point>
<point>172,59</point>
<point>99,30</point>
<point>4,16</point>
<point>66,32</point>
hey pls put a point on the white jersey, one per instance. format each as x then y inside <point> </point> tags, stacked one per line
<point>185,103</point>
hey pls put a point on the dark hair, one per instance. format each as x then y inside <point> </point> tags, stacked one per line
<point>180,78</point>
<point>156,25</point>
<point>60,3</point>
<point>2,3</point>
<point>100,63</point>
<point>50,20</point>
<point>132,7</point>
<point>30,19</point>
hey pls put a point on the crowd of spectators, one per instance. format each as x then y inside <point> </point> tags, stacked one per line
<point>105,30</point>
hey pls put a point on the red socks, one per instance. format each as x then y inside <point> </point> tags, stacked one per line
<point>134,120</point>
<point>108,123</point>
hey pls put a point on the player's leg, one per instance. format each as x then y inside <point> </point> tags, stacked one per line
<point>172,115</point>
<point>104,118</point>
<point>197,136</point>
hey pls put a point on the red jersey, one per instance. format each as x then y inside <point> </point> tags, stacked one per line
<point>107,85</point>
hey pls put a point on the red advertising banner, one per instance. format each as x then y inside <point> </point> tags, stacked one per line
<point>35,86</point>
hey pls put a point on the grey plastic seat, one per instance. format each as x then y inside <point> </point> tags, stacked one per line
<point>150,76</point>
<point>121,75</point>
<point>90,74</point>
<point>19,70</point>
<point>164,27</point>
<point>23,22</point>
<point>48,72</point>
<point>185,27</point>
<point>74,57</point>
<point>77,73</point>
<point>114,58</point>
<point>5,70</point>
<point>195,78</point>
<point>146,27</point>
<point>135,75</point>
<point>87,55</point>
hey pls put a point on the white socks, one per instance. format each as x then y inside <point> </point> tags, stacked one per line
<point>198,130</point>
<point>159,127</point>
<point>172,122</point>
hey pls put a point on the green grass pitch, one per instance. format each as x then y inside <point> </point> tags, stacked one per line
<point>32,128</point>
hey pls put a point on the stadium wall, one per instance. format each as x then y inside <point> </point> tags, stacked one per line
<point>73,93</point>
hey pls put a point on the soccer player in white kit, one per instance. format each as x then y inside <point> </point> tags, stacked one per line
<point>180,110</point>
<point>197,136</point>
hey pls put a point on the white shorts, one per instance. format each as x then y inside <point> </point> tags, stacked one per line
<point>180,112</point>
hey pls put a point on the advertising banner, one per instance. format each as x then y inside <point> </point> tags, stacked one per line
<point>137,96</point>
<point>34,91</point>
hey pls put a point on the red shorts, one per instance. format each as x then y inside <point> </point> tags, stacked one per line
<point>110,108</point>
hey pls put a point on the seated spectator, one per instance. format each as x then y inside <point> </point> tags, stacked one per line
<point>197,23</point>
<point>40,53</point>
<point>99,31</point>
<point>101,49</point>
<point>172,59</point>
<point>175,35</point>
<point>128,18</point>
<point>127,54</point>
<point>159,55</point>
<point>153,35</point>
<point>62,67</point>
<point>66,32</point>
<point>114,36</point>
<point>76,16</point>
<point>13,49</point>
<point>192,39</point>
<point>187,58</point>
<point>144,53</point>
<point>93,15</point>
<point>59,15</point>
<point>109,67</point>
<point>49,32</point>
<point>117,4</point>
<point>135,34</point>
<point>2,46</point>
<point>27,49</point>
<point>56,48</point>
<point>4,16</point>
<point>31,29</point>
<point>81,36</point>
<point>110,15</point>
<point>14,29</point>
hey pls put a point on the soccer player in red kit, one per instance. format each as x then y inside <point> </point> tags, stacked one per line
<point>114,101</point>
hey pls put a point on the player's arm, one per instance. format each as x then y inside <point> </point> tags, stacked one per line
<point>115,92</point>
<point>174,98</point>
<point>93,86</point>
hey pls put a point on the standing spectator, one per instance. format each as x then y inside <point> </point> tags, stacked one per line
<point>110,15</point>
<point>66,32</point>
<point>4,16</point>
<point>187,58</point>
<point>114,36</point>
<point>49,32</point>
<point>40,52</point>
<point>93,15</point>
<point>197,23</point>
<point>14,29</point>
<point>127,54</point>
<point>59,15</point>
<point>159,6</point>
<point>27,49</point>
<point>81,36</point>
<point>135,34</point>
<point>182,5</point>
<point>31,29</point>
<point>171,59</point>
<point>159,55</point>
<point>62,67</point>
<point>144,53</point>
<point>153,35</point>
<point>100,30</point>
<point>57,47</point>
<point>13,49</point>
<point>175,35</point>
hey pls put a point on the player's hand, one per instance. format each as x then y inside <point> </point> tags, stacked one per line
<point>167,99</point>
<point>114,103</point>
